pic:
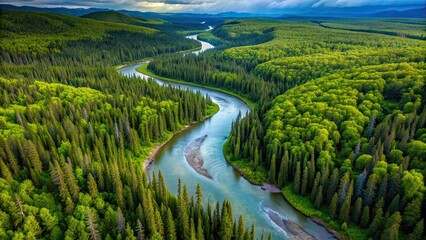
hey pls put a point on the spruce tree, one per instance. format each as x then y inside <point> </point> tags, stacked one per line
<point>296,187</point>
<point>333,206</point>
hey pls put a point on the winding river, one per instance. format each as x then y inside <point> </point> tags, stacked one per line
<point>248,200</point>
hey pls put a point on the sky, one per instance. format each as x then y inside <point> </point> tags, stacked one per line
<point>210,6</point>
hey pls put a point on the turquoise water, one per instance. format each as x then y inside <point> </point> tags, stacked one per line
<point>247,199</point>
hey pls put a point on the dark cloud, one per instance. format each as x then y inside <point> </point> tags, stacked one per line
<point>259,6</point>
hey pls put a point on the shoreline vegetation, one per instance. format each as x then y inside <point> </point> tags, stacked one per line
<point>158,146</point>
<point>254,177</point>
<point>144,70</point>
<point>342,118</point>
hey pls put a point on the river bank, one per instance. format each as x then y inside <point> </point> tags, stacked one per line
<point>294,229</point>
<point>156,149</point>
<point>254,177</point>
<point>246,195</point>
<point>144,70</point>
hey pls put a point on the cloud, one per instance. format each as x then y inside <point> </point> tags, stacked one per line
<point>259,6</point>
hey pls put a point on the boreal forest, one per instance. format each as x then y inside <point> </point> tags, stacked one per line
<point>336,123</point>
<point>339,122</point>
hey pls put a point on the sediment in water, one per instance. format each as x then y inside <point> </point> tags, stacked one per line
<point>194,157</point>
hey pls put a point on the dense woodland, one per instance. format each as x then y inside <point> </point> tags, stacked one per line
<point>340,123</point>
<point>74,134</point>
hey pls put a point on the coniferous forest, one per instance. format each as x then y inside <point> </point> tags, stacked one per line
<point>74,134</point>
<point>340,117</point>
<point>337,122</point>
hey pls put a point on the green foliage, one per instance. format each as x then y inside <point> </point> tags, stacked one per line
<point>74,133</point>
<point>114,16</point>
<point>350,101</point>
<point>396,27</point>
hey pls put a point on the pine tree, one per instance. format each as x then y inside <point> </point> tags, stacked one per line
<point>241,229</point>
<point>199,194</point>
<point>411,214</point>
<point>139,230</point>
<point>200,232</point>
<point>318,199</point>
<point>121,222</point>
<point>296,188</point>
<point>5,171</point>
<point>312,170</point>
<point>226,221</point>
<point>392,227</point>
<point>370,190</point>
<point>129,233</point>
<point>305,181</point>
<point>376,222</point>
<point>345,211</point>
<point>31,156</point>
<point>283,173</point>
<point>92,227</point>
<point>193,233</point>
<point>91,184</point>
<point>272,171</point>
<point>417,232</point>
<point>359,184</point>
<point>332,184</point>
<point>356,213</point>
<point>333,206</point>
<point>315,187</point>
<point>170,228</point>
<point>365,216</point>
<point>343,187</point>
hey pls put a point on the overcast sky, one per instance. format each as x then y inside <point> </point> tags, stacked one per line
<point>212,6</point>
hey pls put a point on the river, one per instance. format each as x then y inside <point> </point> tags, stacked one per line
<point>247,199</point>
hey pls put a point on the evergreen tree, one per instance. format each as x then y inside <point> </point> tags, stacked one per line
<point>417,232</point>
<point>91,184</point>
<point>391,227</point>
<point>376,222</point>
<point>283,173</point>
<point>296,188</point>
<point>345,211</point>
<point>92,227</point>
<point>272,171</point>
<point>241,229</point>
<point>365,216</point>
<point>333,206</point>
<point>411,214</point>
<point>356,213</point>
<point>305,181</point>
<point>318,199</point>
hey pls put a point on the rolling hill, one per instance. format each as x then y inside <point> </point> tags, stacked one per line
<point>117,17</point>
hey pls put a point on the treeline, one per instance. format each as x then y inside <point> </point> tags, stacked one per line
<point>74,134</point>
<point>345,127</point>
<point>213,69</point>
<point>238,33</point>
<point>395,27</point>
<point>357,157</point>
<point>31,36</point>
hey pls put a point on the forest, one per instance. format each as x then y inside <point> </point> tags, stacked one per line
<point>339,122</point>
<point>74,134</point>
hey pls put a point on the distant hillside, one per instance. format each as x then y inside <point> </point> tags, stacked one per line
<point>36,32</point>
<point>59,10</point>
<point>114,16</point>
<point>411,13</point>
<point>289,17</point>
